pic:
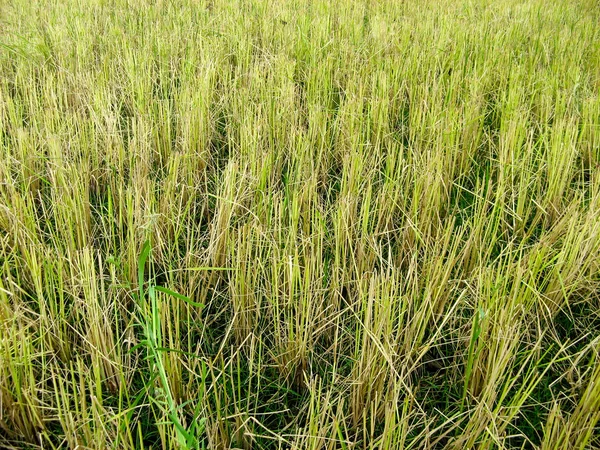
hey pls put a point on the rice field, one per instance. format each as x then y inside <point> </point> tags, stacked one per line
<point>300,224</point>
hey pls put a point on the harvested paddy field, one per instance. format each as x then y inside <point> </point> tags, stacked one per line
<point>300,224</point>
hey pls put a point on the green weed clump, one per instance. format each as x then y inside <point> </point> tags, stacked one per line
<point>301,224</point>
